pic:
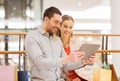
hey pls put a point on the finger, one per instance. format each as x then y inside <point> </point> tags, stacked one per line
<point>92,55</point>
<point>78,55</point>
<point>78,58</point>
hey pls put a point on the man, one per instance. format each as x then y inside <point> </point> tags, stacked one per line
<point>45,51</point>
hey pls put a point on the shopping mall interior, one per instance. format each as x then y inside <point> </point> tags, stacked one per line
<point>96,21</point>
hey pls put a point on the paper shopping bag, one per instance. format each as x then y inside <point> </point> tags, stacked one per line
<point>8,73</point>
<point>101,74</point>
<point>15,73</point>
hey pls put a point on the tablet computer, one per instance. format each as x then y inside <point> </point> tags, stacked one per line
<point>89,49</point>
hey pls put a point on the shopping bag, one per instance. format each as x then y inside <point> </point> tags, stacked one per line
<point>22,76</point>
<point>8,73</point>
<point>101,74</point>
<point>22,73</point>
<point>83,74</point>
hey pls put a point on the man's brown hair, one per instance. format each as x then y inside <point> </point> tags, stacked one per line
<point>49,12</point>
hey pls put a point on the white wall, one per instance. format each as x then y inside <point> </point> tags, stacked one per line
<point>37,9</point>
<point>115,21</point>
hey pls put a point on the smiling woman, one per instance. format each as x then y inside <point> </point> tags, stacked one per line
<point>71,44</point>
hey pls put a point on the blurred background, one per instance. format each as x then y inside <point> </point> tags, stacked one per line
<point>91,16</point>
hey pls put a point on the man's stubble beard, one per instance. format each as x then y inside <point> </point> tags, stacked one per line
<point>50,30</point>
<point>52,33</point>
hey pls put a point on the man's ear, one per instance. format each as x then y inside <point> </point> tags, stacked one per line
<point>46,18</point>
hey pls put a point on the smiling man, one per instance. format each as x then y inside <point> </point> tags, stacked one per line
<point>45,50</point>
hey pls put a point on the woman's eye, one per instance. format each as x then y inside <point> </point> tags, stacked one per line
<point>65,26</point>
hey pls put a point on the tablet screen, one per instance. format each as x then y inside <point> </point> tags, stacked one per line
<point>89,49</point>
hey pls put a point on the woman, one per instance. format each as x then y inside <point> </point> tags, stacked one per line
<point>70,44</point>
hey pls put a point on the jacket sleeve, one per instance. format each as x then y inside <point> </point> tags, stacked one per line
<point>73,65</point>
<point>75,44</point>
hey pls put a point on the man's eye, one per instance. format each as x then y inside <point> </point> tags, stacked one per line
<point>56,22</point>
